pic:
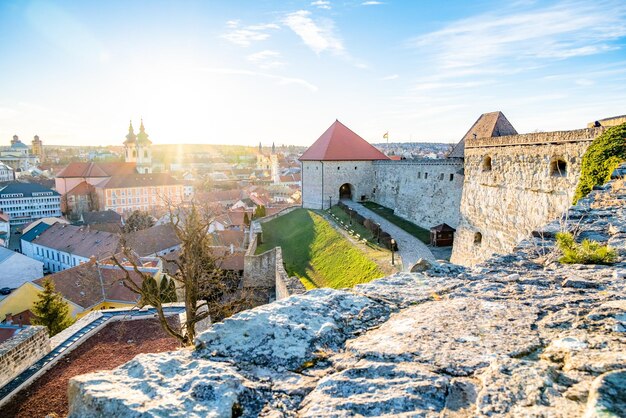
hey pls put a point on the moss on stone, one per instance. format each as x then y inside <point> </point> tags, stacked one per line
<point>602,157</point>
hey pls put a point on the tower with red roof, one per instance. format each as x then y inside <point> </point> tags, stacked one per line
<point>339,165</point>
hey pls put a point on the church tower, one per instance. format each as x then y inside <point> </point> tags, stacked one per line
<point>275,165</point>
<point>37,148</point>
<point>137,149</point>
<point>130,145</point>
<point>144,152</point>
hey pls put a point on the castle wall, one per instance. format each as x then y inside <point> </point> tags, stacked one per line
<point>21,351</point>
<point>519,193</point>
<point>321,181</point>
<point>427,192</point>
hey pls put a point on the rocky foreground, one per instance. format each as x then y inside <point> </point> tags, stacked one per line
<point>521,335</point>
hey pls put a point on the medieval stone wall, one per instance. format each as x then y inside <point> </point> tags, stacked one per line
<point>21,351</point>
<point>513,184</point>
<point>427,192</point>
<point>321,181</point>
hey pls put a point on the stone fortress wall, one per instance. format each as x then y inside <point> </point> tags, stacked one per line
<point>530,179</point>
<point>22,350</point>
<point>514,184</point>
<point>321,181</point>
<point>425,191</point>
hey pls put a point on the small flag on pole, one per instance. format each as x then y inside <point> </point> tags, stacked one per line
<point>386,136</point>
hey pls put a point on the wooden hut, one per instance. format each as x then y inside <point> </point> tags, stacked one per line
<point>442,235</point>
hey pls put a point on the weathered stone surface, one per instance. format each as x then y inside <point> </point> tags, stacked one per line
<point>607,397</point>
<point>285,334</point>
<point>512,387</point>
<point>378,389</point>
<point>420,266</point>
<point>153,385</point>
<point>456,336</point>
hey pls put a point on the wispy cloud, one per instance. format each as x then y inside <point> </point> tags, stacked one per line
<point>390,77</point>
<point>247,35</point>
<point>565,30</point>
<point>319,35</point>
<point>267,59</point>
<point>279,79</point>
<point>321,4</point>
<point>371,3</point>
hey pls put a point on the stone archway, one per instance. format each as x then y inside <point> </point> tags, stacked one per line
<point>346,191</point>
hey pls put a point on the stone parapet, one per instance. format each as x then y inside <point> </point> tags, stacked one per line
<point>23,349</point>
<point>285,285</point>
<point>421,161</point>
<point>536,138</point>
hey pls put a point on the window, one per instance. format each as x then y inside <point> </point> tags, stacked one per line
<point>558,168</point>
<point>478,238</point>
<point>425,176</point>
<point>355,168</point>
<point>419,174</point>
<point>451,176</point>
<point>441,176</point>
<point>487,163</point>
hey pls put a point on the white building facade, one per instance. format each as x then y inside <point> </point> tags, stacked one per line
<point>26,202</point>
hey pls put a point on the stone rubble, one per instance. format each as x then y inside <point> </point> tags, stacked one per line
<point>519,335</point>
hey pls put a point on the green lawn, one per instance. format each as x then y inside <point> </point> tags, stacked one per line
<point>317,253</point>
<point>356,227</point>
<point>418,232</point>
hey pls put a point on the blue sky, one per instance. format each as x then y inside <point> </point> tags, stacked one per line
<point>241,72</point>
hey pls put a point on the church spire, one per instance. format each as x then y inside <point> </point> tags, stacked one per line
<point>273,148</point>
<point>142,136</point>
<point>260,148</point>
<point>131,137</point>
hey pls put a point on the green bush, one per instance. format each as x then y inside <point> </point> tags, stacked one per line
<point>587,252</point>
<point>603,156</point>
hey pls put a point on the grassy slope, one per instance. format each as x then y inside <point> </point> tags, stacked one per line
<point>316,253</point>
<point>418,232</point>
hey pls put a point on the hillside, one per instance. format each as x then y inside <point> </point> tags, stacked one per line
<point>520,335</point>
<point>317,253</point>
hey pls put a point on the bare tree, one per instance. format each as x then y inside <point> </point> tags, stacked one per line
<point>206,290</point>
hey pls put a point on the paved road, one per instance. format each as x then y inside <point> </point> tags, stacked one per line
<point>410,248</point>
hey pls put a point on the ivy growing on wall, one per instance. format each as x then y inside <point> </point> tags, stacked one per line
<point>603,156</point>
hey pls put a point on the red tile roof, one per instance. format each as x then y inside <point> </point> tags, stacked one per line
<point>152,240</point>
<point>339,143</point>
<point>77,240</point>
<point>91,283</point>
<point>78,169</point>
<point>139,180</point>
<point>83,188</point>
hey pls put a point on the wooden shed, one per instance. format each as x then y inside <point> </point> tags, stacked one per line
<point>442,235</point>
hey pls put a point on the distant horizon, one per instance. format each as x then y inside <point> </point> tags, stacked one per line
<point>239,72</point>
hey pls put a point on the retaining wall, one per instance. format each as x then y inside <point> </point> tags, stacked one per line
<point>23,349</point>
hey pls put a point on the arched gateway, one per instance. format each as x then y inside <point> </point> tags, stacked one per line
<point>345,191</point>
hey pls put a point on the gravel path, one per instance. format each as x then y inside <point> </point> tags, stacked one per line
<point>410,248</point>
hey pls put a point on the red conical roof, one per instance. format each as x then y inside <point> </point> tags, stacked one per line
<point>339,143</point>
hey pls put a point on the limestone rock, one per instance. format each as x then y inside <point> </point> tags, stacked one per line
<point>456,336</point>
<point>153,382</point>
<point>607,397</point>
<point>378,389</point>
<point>421,265</point>
<point>286,334</point>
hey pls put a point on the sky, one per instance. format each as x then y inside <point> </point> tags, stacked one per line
<point>244,72</point>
